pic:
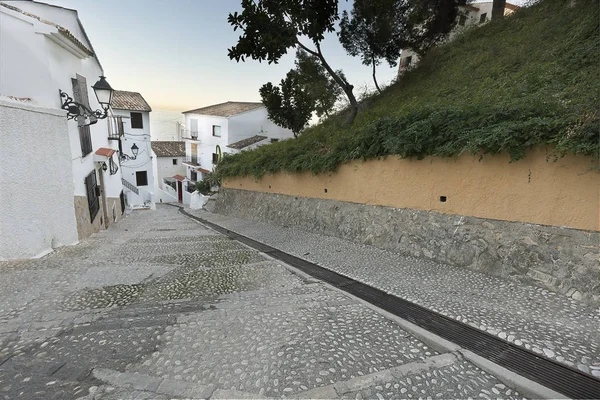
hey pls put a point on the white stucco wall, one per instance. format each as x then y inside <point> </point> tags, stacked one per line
<point>166,169</point>
<point>141,138</point>
<point>206,142</point>
<point>36,202</point>
<point>233,129</point>
<point>255,122</point>
<point>33,66</point>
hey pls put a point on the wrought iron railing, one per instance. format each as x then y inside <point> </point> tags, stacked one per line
<point>171,182</point>
<point>129,186</point>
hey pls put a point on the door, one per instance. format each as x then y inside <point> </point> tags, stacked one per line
<point>180,191</point>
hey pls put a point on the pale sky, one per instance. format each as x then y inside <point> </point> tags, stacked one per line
<point>174,52</point>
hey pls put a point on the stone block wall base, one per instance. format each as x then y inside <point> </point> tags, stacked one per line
<point>560,259</point>
<point>86,227</point>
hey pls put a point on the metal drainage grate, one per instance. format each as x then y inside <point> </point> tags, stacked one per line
<point>558,377</point>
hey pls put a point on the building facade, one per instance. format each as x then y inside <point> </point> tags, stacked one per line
<point>210,131</point>
<point>168,162</point>
<point>132,112</point>
<point>45,49</point>
<point>470,16</point>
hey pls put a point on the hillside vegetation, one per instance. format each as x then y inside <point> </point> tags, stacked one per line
<point>529,79</point>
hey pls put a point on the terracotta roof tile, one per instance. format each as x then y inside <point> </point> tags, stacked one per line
<point>168,148</point>
<point>61,29</point>
<point>105,151</point>
<point>123,100</point>
<point>179,177</point>
<point>246,142</point>
<point>226,109</point>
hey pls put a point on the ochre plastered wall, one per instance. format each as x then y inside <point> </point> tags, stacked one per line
<point>562,193</point>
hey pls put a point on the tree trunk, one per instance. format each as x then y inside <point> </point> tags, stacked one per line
<point>346,87</point>
<point>374,77</point>
<point>498,9</point>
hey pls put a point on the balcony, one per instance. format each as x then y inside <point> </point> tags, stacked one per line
<point>189,135</point>
<point>115,128</point>
<point>193,161</point>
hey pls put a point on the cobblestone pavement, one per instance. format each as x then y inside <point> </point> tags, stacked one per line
<point>159,307</point>
<point>546,323</point>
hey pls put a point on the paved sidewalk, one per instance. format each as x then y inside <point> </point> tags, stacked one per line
<point>546,323</point>
<point>159,307</point>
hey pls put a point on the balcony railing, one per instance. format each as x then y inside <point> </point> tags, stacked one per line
<point>171,182</point>
<point>115,128</point>
<point>190,135</point>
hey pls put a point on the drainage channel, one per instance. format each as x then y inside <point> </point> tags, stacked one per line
<point>555,376</point>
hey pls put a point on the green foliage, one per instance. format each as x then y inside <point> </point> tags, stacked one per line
<point>269,28</point>
<point>203,187</point>
<point>527,80</point>
<point>321,87</point>
<point>289,105</point>
<point>374,30</point>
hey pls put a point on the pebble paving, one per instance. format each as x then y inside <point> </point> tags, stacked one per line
<point>165,304</point>
<point>544,322</point>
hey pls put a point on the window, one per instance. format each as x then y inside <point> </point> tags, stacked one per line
<point>141,178</point>
<point>194,128</point>
<point>193,176</point>
<point>215,158</point>
<point>482,18</point>
<point>462,20</point>
<point>274,140</point>
<point>85,140</point>
<point>216,130</point>
<point>407,61</point>
<point>136,120</point>
<point>174,161</point>
<point>91,188</point>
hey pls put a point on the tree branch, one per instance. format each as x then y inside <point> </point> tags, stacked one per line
<point>314,53</point>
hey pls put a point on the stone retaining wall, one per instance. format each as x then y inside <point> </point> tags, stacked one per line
<point>560,259</point>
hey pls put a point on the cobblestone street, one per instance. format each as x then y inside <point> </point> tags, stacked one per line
<point>158,306</point>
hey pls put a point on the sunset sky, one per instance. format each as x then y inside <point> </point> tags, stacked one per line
<point>174,52</point>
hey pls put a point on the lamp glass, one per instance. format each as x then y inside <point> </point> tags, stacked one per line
<point>134,150</point>
<point>103,92</point>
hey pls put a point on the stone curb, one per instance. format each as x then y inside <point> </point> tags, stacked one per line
<point>147,383</point>
<point>389,375</point>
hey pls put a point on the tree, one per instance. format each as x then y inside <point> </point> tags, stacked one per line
<point>498,7</point>
<point>321,87</point>
<point>289,105</point>
<point>429,22</point>
<point>271,27</point>
<point>374,31</point>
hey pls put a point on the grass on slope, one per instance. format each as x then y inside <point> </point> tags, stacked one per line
<point>530,79</point>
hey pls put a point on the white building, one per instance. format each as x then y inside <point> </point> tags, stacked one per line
<point>470,15</point>
<point>133,112</point>
<point>168,162</point>
<point>213,129</point>
<point>60,178</point>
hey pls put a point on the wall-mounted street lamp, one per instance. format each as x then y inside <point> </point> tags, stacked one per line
<point>74,109</point>
<point>134,151</point>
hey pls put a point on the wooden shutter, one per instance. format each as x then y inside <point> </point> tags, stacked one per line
<point>90,187</point>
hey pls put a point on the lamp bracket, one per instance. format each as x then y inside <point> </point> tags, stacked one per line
<point>75,109</point>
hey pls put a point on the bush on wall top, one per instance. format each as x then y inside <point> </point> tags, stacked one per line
<point>529,79</point>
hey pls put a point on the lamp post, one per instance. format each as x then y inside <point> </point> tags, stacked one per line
<point>75,109</point>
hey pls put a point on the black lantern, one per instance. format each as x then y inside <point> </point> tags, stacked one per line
<point>134,150</point>
<point>103,92</point>
<point>74,109</point>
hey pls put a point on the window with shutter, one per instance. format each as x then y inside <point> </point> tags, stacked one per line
<point>136,120</point>
<point>80,95</point>
<point>91,186</point>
